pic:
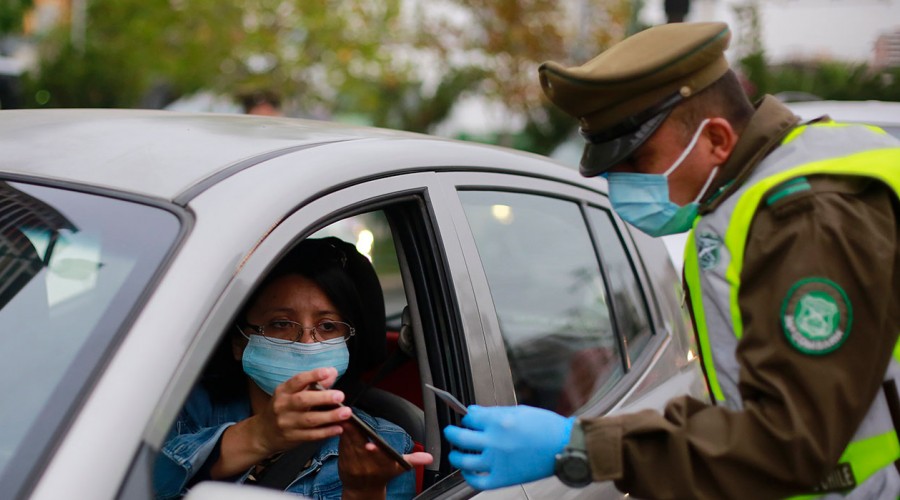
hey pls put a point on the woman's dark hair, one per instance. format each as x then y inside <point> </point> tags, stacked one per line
<point>350,282</point>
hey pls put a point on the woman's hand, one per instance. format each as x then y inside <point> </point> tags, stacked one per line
<point>364,469</point>
<point>294,414</point>
<point>297,412</point>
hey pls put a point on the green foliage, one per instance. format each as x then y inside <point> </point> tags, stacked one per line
<point>543,135</point>
<point>315,50</point>
<point>130,46</point>
<point>11,14</point>
<point>512,37</point>
<point>411,107</point>
<point>755,72</point>
<point>826,79</point>
<point>85,77</point>
<point>393,63</point>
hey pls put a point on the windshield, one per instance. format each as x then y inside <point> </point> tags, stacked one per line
<point>72,266</point>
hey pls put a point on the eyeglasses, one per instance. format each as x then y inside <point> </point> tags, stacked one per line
<point>284,331</point>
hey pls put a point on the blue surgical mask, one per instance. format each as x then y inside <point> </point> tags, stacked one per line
<point>643,201</point>
<point>270,364</point>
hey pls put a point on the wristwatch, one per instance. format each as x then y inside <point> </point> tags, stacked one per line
<point>572,466</point>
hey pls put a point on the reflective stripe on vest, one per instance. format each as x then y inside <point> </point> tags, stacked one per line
<point>714,260</point>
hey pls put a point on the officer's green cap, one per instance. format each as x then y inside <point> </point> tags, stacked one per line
<point>621,96</point>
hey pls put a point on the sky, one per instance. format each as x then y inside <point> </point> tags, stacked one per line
<point>840,29</point>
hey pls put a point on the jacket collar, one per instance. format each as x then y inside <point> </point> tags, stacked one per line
<point>768,126</point>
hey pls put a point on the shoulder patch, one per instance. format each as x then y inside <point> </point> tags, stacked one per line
<point>788,188</point>
<point>816,316</point>
<point>709,247</point>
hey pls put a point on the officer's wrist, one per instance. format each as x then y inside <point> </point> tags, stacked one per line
<point>572,465</point>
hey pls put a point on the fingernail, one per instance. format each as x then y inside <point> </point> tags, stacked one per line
<point>337,396</point>
<point>345,413</point>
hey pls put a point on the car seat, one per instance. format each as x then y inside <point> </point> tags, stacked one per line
<point>394,391</point>
<point>381,403</point>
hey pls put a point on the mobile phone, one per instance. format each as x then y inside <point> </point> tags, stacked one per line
<point>449,399</point>
<point>373,435</point>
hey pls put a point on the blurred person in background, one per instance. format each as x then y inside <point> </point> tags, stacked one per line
<point>261,102</point>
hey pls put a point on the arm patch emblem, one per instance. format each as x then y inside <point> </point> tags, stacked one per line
<point>816,316</point>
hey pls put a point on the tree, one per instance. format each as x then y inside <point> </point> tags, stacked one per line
<point>129,47</point>
<point>395,63</point>
<point>312,51</point>
<point>510,38</point>
<point>12,12</point>
<point>825,79</point>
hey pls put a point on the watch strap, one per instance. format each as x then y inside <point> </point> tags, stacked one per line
<point>572,465</point>
<point>576,438</point>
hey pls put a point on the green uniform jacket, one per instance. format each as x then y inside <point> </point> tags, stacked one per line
<point>799,411</point>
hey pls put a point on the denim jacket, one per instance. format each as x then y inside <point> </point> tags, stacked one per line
<point>199,428</point>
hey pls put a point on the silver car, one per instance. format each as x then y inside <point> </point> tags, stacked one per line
<point>883,114</point>
<point>131,238</point>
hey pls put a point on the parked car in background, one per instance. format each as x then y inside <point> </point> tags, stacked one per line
<point>130,239</point>
<point>880,113</point>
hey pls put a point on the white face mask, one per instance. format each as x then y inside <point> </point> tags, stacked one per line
<point>643,201</point>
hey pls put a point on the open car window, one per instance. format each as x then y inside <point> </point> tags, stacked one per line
<point>396,239</point>
<point>371,234</point>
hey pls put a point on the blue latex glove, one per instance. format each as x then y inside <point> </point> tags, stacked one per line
<point>507,445</point>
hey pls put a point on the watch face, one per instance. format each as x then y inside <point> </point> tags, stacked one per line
<point>576,468</point>
<point>573,469</point>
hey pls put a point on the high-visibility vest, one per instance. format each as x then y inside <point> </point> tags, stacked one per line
<point>714,258</point>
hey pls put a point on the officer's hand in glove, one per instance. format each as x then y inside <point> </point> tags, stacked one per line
<point>507,445</point>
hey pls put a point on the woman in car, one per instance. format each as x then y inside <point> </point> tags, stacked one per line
<point>317,318</point>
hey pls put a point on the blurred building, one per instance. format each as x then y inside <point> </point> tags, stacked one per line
<point>791,30</point>
<point>887,50</point>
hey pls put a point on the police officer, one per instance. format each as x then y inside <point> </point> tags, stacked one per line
<point>792,274</point>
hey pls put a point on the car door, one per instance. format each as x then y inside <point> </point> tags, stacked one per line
<point>573,321</point>
<point>434,285</point>
<point>459,345</point>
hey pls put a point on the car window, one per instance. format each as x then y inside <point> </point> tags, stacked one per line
<point>550,297</point>
<point>371,234</point>
<point>72,265</point>
<point>400,233</point>
<point>629,305</point>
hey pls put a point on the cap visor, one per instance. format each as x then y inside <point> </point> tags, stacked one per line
<point>602,156</point>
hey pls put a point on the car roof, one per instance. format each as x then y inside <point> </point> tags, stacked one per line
<point>871,112</point>
<point>160,153</point>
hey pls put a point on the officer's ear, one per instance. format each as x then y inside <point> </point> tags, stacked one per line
<point>722,139</point>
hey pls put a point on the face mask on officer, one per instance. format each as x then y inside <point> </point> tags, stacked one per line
<point>643,201</point>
